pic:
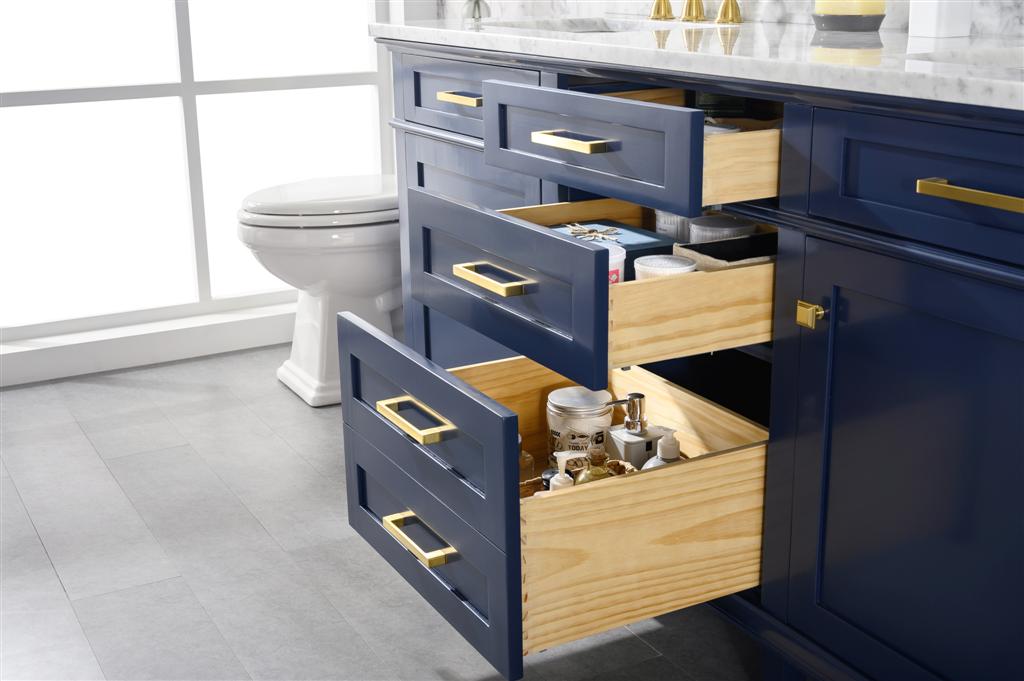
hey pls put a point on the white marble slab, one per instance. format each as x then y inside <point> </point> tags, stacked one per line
<point>986,71</point>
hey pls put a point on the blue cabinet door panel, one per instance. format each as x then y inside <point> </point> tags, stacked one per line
<point>908,544</point>
<point>561,318</point>
<point>420,79</point>
<point>655,152</point>
<point>472,589</point>
<point>866,167</point>
<point>474,469</point>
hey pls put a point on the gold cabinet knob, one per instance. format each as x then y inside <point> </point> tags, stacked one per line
<point>808,314</point>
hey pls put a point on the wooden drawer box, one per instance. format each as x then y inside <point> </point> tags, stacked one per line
<point>568,565</point>
<point>620,145</point>
<point>446,93</point>
<point>566,316</point>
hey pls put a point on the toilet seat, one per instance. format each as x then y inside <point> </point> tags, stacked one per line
<point>327,202</point>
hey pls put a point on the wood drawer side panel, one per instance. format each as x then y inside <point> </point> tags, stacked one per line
<point>689,314</point>
<point>619,551</point>
<point>741,166</point>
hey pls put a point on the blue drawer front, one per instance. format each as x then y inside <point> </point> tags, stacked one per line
<point>459,171</point>
<point>474,469</point>
<point>561,320</point>
<point>865,170</point>
<point>419,79</point>
<point>476,591</point>
<point>655,156</point>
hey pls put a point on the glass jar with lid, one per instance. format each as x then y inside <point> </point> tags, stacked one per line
<point>578,419</point>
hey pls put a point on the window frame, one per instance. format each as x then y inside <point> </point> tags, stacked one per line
<point>187,89</point>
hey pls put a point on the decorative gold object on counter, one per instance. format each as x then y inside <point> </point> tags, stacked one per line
<point>729,13</point>
<point>661,10</point>
<point>693,10</point>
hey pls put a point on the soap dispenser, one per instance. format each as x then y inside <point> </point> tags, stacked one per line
<point>561,479</point>
<point>633,441</point>
<point>668,452</point>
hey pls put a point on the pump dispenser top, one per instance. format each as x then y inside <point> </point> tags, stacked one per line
<point>561,480</point>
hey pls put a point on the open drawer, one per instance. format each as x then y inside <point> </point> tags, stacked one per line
<point>546,295</point>
<point>578,562</point>
<point>619,145</point>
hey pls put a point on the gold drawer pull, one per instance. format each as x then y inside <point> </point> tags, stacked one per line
<point>808,314</point>
<point>506,289</point>
<point>462,98</point>
<point>425,436</point>
<point>568,140</point>
<point>393,524</point>
<point>941,188</point>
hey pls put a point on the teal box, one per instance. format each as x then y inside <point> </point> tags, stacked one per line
<point>637,242</point>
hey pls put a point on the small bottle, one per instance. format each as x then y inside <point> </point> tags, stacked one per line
<point>596,470</point>
<point>525,462</point>
<point>668,452</point>
<point>562,479</point>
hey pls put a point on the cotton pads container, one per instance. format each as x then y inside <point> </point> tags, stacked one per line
<point>651,266</point>
<point>715,227</point>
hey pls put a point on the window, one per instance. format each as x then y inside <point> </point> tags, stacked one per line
<point>131,131</point>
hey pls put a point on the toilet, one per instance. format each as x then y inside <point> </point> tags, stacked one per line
<point>335,239</point>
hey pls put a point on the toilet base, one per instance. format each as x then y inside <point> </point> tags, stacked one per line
<point>311,372</point>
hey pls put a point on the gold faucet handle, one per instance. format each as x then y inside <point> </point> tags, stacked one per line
<point>729,13</point>
<point>661,10</point>
<point>693,11</point>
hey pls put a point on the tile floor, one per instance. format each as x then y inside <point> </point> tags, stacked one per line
<point>188,521</point>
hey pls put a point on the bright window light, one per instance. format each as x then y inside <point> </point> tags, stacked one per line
<point>96,215</point>
<point>254,140</point>
<point>264,38</point>
<point>51,44</point>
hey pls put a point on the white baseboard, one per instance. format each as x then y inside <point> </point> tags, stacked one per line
<point>42,359</point>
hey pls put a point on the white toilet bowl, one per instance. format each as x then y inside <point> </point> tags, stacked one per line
<point>336,240</point>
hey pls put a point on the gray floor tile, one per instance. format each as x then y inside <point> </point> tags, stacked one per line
<point>103,395</point>
<point>321,444</point>
<point>384,609</point>
<point>144,430</point>
<point>31,407</point>
<point>280,408</point>
<point>703,644</point>
<point>271,613</point>
<point>603,653</point>
<point>94,537</point>
<point>157,631</point>
<point>41,637</point>
<point>656,669</point>
<point>186,506</point>
<point>297,505</point>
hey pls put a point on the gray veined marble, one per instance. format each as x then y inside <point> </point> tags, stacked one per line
<point>948,70</point>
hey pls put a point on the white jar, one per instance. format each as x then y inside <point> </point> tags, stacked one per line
<point>578,419</point>
<point>715,227</point>
<point>650,266</point>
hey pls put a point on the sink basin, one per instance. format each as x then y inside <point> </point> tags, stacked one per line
<point>592,25</point>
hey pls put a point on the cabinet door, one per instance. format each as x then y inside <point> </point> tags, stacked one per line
<point>908,519</point>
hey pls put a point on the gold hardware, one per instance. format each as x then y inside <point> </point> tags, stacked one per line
<point>693,10</point>
<point>505,289</point>
<point>461,98</point>
<point>729,13</point>
<point>808,314</point>
<point>941,188</point>
<point>425,436</point>
<point>393,524</point>
<point>661,10</point>
<point>558,140</point>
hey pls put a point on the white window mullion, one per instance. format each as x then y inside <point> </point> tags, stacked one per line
<point>195,169</point>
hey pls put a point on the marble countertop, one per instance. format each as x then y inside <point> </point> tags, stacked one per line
<point>987,71</point>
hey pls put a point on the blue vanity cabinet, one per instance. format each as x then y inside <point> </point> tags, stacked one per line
<point>907,539</point>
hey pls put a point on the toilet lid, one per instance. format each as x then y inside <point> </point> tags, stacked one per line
<point>326,196</point>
